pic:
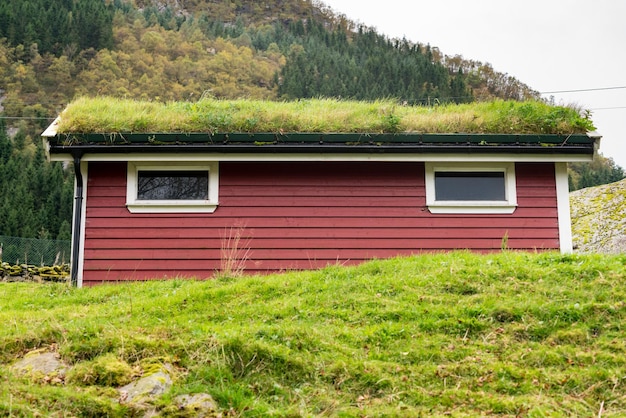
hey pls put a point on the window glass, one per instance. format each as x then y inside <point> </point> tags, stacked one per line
<point>470,186</point>
<point>172,185</point>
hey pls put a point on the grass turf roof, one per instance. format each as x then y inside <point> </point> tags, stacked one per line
<point>110,115</point>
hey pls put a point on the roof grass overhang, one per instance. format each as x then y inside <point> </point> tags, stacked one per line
<point>106,125</point>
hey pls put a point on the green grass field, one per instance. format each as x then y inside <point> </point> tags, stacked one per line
<point>508,334</point>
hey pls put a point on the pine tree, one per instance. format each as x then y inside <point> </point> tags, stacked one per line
<point>5,144</point>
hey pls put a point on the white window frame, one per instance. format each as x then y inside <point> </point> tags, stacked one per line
<point>171,206</point>
<point>506,206</point>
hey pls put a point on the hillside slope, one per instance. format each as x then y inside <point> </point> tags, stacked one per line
<point>463,335</point>
<point>599,218</point>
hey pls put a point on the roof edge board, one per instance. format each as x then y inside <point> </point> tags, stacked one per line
<point>51,130</point>
<point>312,156</point>
<point>307,137</point>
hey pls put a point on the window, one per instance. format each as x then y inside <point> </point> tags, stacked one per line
<point>471,187</point>
<point>169,187</point>
<point>172,185</point>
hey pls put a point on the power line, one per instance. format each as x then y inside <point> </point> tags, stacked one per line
<point>581,90</point>
<point>25,118</point>
<point>609,108</point>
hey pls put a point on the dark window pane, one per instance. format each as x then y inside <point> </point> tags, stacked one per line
<point>459,185</point>
<point>172,185</point>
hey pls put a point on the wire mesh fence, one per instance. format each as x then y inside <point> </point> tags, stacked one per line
<point>42,252</point>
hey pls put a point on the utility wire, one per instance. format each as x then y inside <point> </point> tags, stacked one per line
<point>609,108</point>
<point>580,90</point>
<point>25,118</point>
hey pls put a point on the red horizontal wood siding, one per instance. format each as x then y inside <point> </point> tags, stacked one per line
<point>301,216</point>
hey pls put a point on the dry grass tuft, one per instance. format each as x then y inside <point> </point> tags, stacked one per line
<point>235,252</point>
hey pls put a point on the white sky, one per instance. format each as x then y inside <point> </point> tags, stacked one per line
<point>550,45</point>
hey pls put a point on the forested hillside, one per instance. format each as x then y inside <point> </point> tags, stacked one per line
<point>35,196</point>
<point>57,25</point>
<point>600,171</point>
<point>52,51</point>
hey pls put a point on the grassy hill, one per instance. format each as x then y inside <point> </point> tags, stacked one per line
<point>509,334</point>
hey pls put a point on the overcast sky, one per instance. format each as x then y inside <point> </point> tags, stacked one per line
<point>550,45</point>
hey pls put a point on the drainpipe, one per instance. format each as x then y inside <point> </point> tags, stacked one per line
<point>78,216</point>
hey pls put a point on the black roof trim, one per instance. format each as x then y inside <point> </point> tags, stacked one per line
<point>322,143</point>
<point>306,149</point>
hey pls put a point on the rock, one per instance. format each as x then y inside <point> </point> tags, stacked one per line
<point>599,218</point>
<point>146,389</point>
<point>199,405</point>
<point>41,365</point>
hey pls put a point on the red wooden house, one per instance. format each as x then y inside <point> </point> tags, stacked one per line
<point>151,206</point>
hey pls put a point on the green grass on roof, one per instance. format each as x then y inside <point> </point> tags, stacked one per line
<point>109,115</point>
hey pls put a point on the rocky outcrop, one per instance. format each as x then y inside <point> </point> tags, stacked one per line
<point>147,388</point>
<point>140,396</point>
<point>599,218</point>
<point>42,366</point>
<point>199,405</point>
